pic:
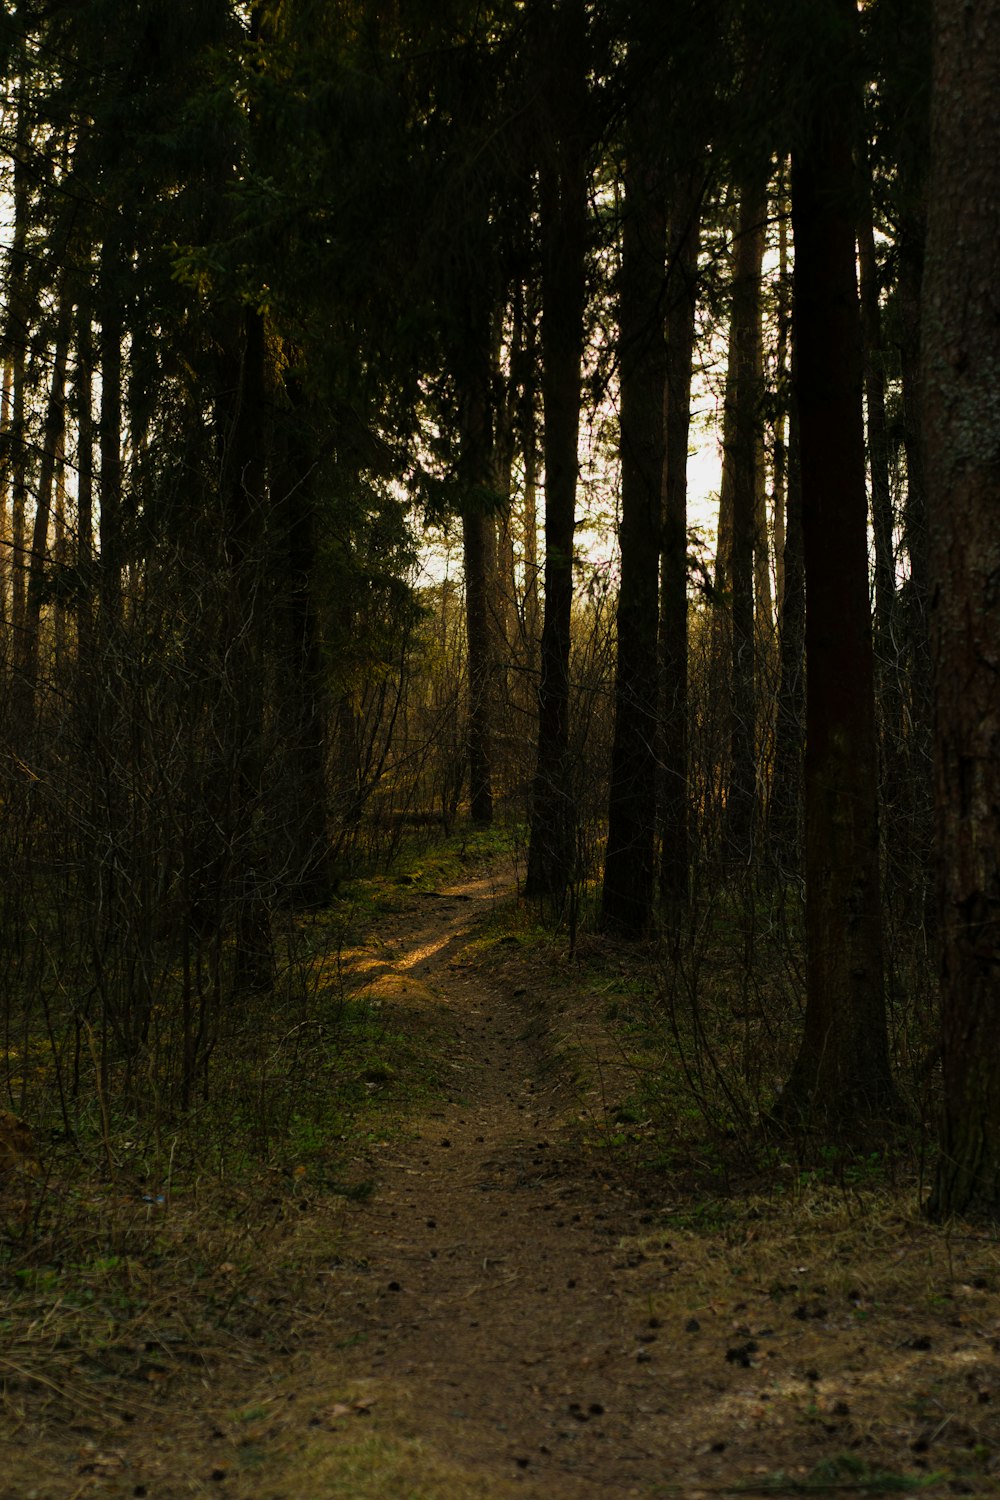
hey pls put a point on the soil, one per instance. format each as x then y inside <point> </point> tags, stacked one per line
<point>508,1313</point>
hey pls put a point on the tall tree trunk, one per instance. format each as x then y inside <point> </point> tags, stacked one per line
<point>682,295</point>
<point>563,206</point>
<point>745,336</point>
<point>962,447</point>
<point>841,1077</point>
<point>627,897</point>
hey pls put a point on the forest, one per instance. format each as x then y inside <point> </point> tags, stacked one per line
<point>362,366</point>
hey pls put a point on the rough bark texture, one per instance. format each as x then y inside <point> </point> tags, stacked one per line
<point>841,1079</point>
<point>961,382</point>
<point>563,194</point>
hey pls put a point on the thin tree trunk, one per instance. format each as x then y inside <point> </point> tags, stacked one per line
<point>627,896</point>
<point>563,204</point>
<point>682,296</point>
<point>745,336</point>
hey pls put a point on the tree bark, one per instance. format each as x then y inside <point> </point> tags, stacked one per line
<point>962,447</point>
<point>841,1079</point>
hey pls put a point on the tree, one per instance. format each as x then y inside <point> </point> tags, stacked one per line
<point>627,897</point>
<point>841,1077</point>
<point>682,295</point>
<point>962,451</point>
<point>743,458</point>
<point>562,42</point>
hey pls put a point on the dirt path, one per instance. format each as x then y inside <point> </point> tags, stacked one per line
<point>495,1289</point>
<point>505,1316</point>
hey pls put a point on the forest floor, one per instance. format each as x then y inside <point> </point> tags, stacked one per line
<point>502,1302</point>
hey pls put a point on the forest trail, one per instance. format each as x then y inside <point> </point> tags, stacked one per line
<point>495,1303</point>
<point>505,1315</point>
